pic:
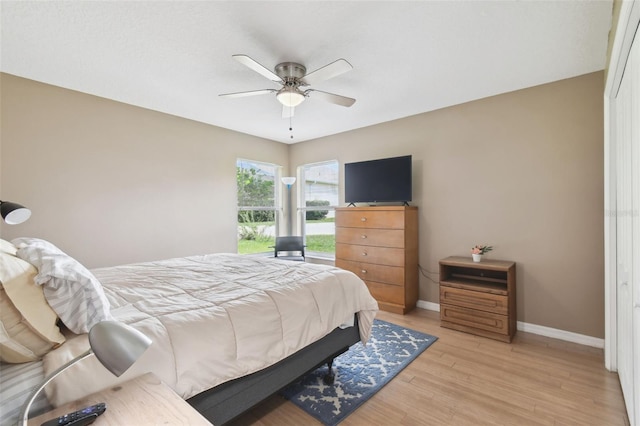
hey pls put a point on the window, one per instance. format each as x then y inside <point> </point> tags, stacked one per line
<point>319,198</point>
<point>258,214</point>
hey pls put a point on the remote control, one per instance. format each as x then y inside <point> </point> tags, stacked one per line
<point>81,417</point>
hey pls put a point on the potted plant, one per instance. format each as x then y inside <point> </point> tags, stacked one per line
<point>478,251</point>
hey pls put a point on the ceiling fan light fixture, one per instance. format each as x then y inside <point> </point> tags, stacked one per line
<point>290,97</point>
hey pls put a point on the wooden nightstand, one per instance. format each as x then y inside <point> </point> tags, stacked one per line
<point>479,297</point>
<point>144,400</point>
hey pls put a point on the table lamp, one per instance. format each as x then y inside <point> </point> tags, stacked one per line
<point>116,345</point>
<point>13,213</point>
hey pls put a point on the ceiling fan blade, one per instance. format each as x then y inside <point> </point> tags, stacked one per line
<point>328,71</point>
<point>330,97</point>
<point>260,69</point>
<point>249,93</point>
<point>287,112</point>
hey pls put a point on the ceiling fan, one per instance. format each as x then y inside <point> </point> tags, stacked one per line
<point>293,76</point>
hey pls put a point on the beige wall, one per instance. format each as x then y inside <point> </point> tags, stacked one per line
<point>111,183</point>
<point>522,172</point>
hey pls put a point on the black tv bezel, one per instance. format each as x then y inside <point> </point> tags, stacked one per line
<point>378,161</point>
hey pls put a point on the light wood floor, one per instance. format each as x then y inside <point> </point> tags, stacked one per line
<point>468,380</point>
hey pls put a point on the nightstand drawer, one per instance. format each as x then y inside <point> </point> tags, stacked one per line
<point>475,300</point>
<point>372,272</point>
<point>385,219</point>
<point>370,254</point>
<point>474,319</point>
<point>371,237</point>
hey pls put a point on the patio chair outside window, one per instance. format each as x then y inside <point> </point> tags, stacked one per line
<point>292,247</point>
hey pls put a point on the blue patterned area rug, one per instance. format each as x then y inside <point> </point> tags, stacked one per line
<point>359,373</point>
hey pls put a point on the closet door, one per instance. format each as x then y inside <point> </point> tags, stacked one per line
<point>634,63</point>
<point>627,151</point>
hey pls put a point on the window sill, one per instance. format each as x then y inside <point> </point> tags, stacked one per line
<point>321,258</point>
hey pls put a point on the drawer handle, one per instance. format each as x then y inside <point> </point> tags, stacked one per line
<point>363,219</point>
<point>364,271</point>
<point>364,253</point>
<point>364,237</point>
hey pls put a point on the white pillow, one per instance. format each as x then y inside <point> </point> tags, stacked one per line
<point>29,241</point>
<point>73,292</point>
<point>7,247</point>
<point>28,327</point>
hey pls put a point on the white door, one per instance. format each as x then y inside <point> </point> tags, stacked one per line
<point>634,64</point>
<point>627,153</point>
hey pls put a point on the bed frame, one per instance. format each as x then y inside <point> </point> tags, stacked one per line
<point>228,400</point>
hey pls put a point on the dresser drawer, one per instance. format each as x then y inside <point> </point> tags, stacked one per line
<point>372,272</point>
<point>488,302</point>
<point>473,318</point>
<point>371,237</point>
<point>370,254</point>
<point>385,219</point>
<point>386,292</point>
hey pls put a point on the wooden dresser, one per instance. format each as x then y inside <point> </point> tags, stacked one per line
<point>380,245</point>
<point>478,297</point>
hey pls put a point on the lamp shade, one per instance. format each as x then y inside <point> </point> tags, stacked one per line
<point>290,97</point>
<point>14,213</point>
<point>117,346</point>
<point>288,180</point>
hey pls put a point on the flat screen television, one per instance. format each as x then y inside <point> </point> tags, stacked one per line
<point>386,180</point>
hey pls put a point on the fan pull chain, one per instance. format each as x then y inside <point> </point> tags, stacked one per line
<point>291,126</point>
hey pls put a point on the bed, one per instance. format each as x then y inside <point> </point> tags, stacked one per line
<point>227,330</point>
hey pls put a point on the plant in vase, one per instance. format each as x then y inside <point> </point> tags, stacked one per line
<point>478,251</point>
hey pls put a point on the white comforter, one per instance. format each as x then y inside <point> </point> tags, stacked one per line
<point>214,318</point>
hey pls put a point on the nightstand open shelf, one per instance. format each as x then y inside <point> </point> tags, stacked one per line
<point>478,297</point>
<point>476,285</point>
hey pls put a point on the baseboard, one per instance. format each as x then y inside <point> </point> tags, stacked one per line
<point>429,306</point>
<point>567,336</point>
<point>541,330</point>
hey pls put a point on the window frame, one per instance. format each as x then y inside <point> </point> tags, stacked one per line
<point>302,208</point>
<point>277,206</point>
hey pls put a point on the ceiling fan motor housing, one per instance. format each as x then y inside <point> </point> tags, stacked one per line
<point>290,73</point>
<point>290,70</point>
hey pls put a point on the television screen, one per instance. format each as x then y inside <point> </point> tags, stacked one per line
<point>378,181</point>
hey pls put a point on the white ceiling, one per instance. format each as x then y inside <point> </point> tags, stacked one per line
<point>408,57</point>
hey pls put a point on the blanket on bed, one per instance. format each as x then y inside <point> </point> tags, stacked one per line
<point>214,318</point>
